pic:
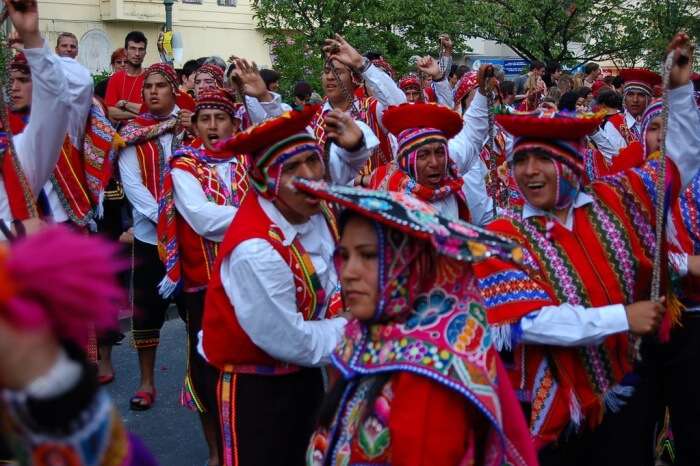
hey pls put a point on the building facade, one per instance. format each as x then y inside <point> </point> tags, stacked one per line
<point>207,27</point>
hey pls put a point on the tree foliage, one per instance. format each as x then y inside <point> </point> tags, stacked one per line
<point>397,29</point>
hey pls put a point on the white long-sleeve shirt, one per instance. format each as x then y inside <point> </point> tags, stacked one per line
<point>609,140</point>
<point>260,285</point>
<point>145,206</point>
<point>578,326</point>
<point>59,87</point>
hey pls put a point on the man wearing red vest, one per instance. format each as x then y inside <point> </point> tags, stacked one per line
<point>621,129</point>
<point>274,284</point>
<point>60,86</point>
<point>202,191</point>
<point>150,140</point>
<point>568,311</point>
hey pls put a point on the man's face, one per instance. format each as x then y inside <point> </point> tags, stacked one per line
<point>298,207</point>
<point>636,103</point>
<point>334,88</point>
<point>158,95</point>
<point>20,90</point>
<point>537,179</point>
<point>431,164</point>
<point>273,86</point>
<point>653,135</point>
<point>188,81</point>
<point>215,125</point>
<point>202,82</point>
<point>412,95</point>
<point>556,75</point>
<point>67,47</point>
<point>135,53</point>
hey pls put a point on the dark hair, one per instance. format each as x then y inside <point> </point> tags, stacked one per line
<point>269,76</point>
<point>302,90</point>
<point>189,67</point>
<point>590,67</point>
<point>567,102</point>
<point>553,67</point>
<point>583,91</point>
<point>608,79</point>
<point>372,56</point>
<point>136,37</point>
<point>610,99</point>
<point>618,81</point>
<point>508,88</point>
<point>536,65</point>
<point>453,70</point>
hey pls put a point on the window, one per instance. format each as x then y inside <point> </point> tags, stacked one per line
<point>196,2</point>
<point>226,2</point>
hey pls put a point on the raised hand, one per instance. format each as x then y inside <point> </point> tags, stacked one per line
<point>339,49</point>
<point>430,67</point>
<point>342,130</point>
<point>249,81</point>
<point>682,49</point>
<point>24,15</point>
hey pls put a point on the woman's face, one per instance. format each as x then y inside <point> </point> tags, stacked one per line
<point>358,267</point>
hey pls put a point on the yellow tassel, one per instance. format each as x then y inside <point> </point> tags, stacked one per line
<point>675,309</point>
<point>117,142</point>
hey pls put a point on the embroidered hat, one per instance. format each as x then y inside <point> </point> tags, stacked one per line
<point>220,99</point>
<point>165,70</point>
<point>452,238</point>
<point>409,81</point>
<point>273,142</point>
<point>640,80</point>
<point>465,85</point>
<point>19,63</point>
<point>560,135</point>
<point>214,71</point>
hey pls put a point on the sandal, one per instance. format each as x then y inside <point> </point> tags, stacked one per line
<point>105,379</point>
<point>142,401</point>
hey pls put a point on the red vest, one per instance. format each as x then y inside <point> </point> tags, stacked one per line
<point>197,253</point>
<point>226,344</point>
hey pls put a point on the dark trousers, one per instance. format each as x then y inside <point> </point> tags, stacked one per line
<point>202,377</point>
<point>268,420</point>
<point>623,438</point>
<point>149,307</point>
<point>682,389</point>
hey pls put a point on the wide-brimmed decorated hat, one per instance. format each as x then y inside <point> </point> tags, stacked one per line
<point>558,134</point>
<point>640,80</point>
<point>400,118</point>
<point>271,143</point>
<point>464,86</point>
<point>453,238</point>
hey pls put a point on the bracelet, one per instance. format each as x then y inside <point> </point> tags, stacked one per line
<point>442,78</point>
<point>365,65</point>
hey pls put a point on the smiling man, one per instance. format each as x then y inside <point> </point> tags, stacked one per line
<point>274,285</point>
<point>150,142</point>
<point>436,147</point>
<point>570,311</point>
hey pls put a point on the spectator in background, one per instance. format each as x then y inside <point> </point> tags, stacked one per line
<point>187,76</point>
<point>124,97</point>
<point>565,83</point>
<point>508,94</point>
<point>271,78</point>
<point>553,95</point>
<point>552,73</point>
<point>118,63</point>
<point>567,102</point>
<point>609,101</point>
<point>302,93</point>
<point>592,72</point>
<point>67,45</point>
<point>618,84</point>
<point>534,75</point>
<point>583,103</point>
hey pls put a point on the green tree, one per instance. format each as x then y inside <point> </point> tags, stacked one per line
<point>397,29</point>
<point>566,31</point>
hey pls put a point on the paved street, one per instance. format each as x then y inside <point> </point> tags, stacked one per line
<point>171,432</point>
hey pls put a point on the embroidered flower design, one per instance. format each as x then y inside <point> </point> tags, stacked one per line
<point>427,310</point>
<point>414,352</point>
